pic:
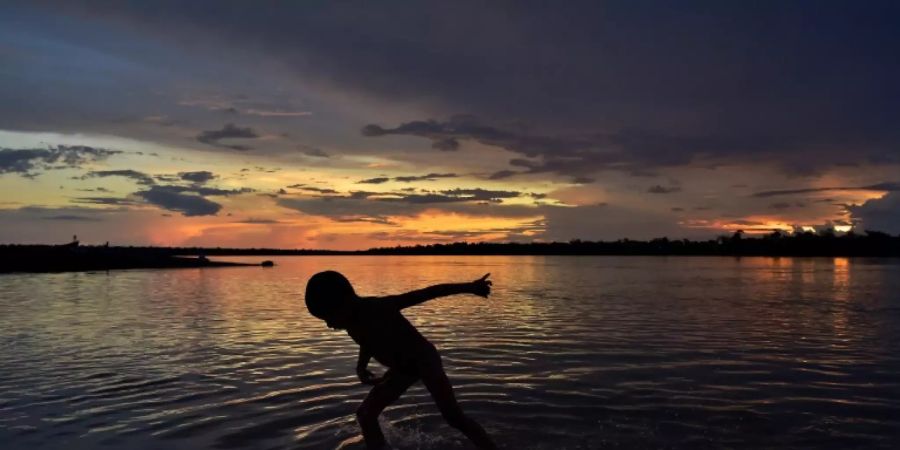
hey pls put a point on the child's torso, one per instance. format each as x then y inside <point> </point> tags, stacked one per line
<point>388,336</point>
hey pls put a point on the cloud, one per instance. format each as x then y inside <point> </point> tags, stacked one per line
<point>657,189</point>
<point>275,113</point>
<point>313,189</point>
<point>173,200</point>
<point>635,91</point>
<point>25,161</point>
<point>198,177</point>
<point>470,128</point>
<point>886,187</point>
<point>882,214</point>
<point>580,155</point>
<point>444,196</point>
<point>612,222</point>
<point>427,177</point>
<point>139,177</point>
<point>46,225</point>
<point>229,131</point>
<point>409,179</point>
<point>442,136</point>
<point>204,190</point>
<point>379,206</point>
<point>377,180</point>
<point>72,218</point>
<point>344,208</point>
<point>188,200</point>
<point>480,194</point>
<point>253,221</point>
<point>698,81</point>
<point>73,214</point>
<point>313,151</point>
<point>501,174</point>
<point>105,201</point>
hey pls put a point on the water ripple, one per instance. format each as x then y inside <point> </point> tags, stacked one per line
<point>569,353</point>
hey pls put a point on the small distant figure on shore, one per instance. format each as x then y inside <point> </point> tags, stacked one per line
<point>69,246</point>
<point>378,326</point>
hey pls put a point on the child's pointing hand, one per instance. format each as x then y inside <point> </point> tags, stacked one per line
<point>482,286</point>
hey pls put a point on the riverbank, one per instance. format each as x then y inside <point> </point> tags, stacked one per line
<point>74,258</point>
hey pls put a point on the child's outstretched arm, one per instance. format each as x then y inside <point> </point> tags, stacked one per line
<point>480,287</point>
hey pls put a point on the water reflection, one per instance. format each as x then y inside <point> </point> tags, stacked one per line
<point>577,352</point>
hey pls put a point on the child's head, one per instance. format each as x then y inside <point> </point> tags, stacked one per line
<point>328,295</point>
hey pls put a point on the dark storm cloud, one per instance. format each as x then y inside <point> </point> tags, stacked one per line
<point>736,81</point>
<point>886,186</point>
<point>882,214</point>
<point>470,128</point>
<point>441,138</point>
<point>199,177</point>
<point>229,131</point>
<point>579,154</point>
<point>25,161</point>
<point>138,177</point>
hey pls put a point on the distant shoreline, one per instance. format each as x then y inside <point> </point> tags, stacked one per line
<point>75,257</point>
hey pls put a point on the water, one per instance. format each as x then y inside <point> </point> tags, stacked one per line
<point>569,352</point>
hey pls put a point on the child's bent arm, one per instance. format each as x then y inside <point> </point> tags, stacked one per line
<point>362,364</point>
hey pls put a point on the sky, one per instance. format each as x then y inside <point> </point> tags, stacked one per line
<point>349,125</point>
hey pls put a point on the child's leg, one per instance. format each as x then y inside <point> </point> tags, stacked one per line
<point>382,395</point>
<point>435,379</point>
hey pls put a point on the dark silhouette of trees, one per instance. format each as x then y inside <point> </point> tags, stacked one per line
<point>774,244</point>
<point>42,258</point>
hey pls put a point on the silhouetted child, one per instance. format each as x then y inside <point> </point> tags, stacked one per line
<point>381,331</point>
